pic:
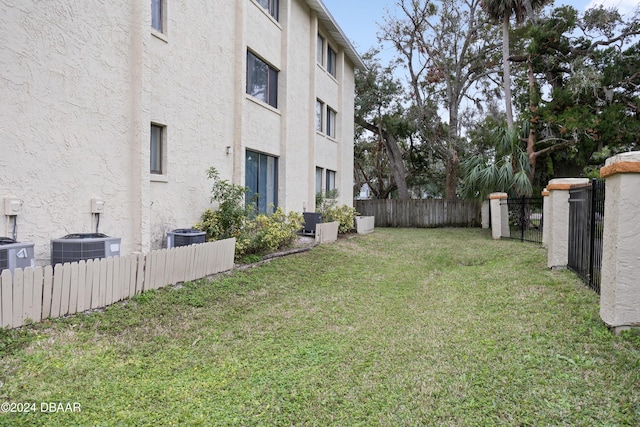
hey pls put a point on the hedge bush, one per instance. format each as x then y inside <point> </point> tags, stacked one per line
<point>232,218</point>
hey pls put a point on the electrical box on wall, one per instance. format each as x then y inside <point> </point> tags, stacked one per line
<point>97,206</point>
<point>12,206</point>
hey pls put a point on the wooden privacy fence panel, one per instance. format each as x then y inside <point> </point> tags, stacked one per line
<point>422,212</point>
<point>38,293</point>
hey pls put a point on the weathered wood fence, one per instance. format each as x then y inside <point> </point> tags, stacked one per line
<point>422,212</point>
<point>34,294</point>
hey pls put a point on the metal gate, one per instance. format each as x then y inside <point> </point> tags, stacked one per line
<point>525,218</point>
<point>586,220</point>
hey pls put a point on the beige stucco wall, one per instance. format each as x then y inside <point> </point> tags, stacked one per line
<point>346,129</point>
<point>65,124</point>
<point>620,276</point>
<point>83,81</point>
<point>499,215</point>
<point>558,221</point>
<point>187,87</point>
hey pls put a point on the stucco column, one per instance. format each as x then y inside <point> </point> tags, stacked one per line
<point>499,215</point>
<point>558,232</point>
<point>545,218</point>
<point>620,274</point>
<point>485,214</point>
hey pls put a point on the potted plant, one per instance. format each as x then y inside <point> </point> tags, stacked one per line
<point>334,219</point>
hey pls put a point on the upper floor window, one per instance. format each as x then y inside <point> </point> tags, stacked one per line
<point>319,115</point>
<point>262,80</point>
<point>157,15</point>
<point>331,61</point>
<point>320,50</point>
<point>157,149</point>
<point>270,6</point>
<point>331,123</point>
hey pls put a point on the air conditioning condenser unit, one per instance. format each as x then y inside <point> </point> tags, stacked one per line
<point>83,246</point>
<point>15,254</point>
<point>185,237</point>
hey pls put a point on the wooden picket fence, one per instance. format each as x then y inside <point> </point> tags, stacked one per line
<point>422,212</point>
<point>34,294</point>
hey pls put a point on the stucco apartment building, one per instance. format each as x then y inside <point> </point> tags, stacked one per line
<point>112,112</point>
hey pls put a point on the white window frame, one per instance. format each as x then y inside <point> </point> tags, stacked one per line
<point>332,121</point>
<point>158,16</point>
<point>319,175</point>
<point>320,50</point>
<point>272,7</point>
<point>319,115</point>
<point>330,181</point>
<point>264,202</point>
<point>158,149</point>
<point>332,60</point>
<point>271,95</point>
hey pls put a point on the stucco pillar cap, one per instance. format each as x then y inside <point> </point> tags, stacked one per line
<point>566,183</point>
<point>493,196</point>
<point>621,163</point>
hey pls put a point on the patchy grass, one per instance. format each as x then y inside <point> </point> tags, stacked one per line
<point>401,327</point>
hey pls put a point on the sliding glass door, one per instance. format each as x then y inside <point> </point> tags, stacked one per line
<point>261,177</point>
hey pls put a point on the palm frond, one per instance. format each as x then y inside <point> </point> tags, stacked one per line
<point>521,184</point>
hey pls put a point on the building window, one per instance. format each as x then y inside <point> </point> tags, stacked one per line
<point>261,178</point>
<point>270,6</point>
<point>330,182</point>
<point>157,15</point>
<point>320,50</point>
<point>262,80</point>
<point>319,180</point>
<point>331,61</point>
<point>157,149</point>
<point>319,115</point>
<point>331,123</point>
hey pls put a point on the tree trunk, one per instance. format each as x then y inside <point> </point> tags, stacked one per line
<point>506,66</point>
<point>531,141</point>
<point>397,164</point>
<point>451,181</point>
<point>452,162</point>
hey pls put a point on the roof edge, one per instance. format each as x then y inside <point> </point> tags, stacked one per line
<point>336,32</point>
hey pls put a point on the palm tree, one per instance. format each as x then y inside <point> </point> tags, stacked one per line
<point>502,11</point>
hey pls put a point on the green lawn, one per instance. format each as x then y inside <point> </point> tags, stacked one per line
<point>398,328</point>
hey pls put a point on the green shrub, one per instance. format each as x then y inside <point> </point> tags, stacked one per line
<point>344,214</point>
<point>326,200</point>
<point>326,204</point>
<point>262,234</point>
<point>231,216</point>
<point>267,233</point>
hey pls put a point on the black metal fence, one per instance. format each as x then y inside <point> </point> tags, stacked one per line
<point>525,218</point>
<point>586,220</point>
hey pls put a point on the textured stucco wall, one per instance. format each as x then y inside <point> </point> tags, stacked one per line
<point>499,215</point>
<point>82,82</point>
<point>546,214</point>
<point>65,85</point>
<point>347,126</point>
<point>337,153</point>
<point>558,248</point>
<point>298,108</point>
<point>187,87</point>
<point>620,276</point>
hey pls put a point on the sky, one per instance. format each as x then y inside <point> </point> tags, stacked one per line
<point>360,19</point>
